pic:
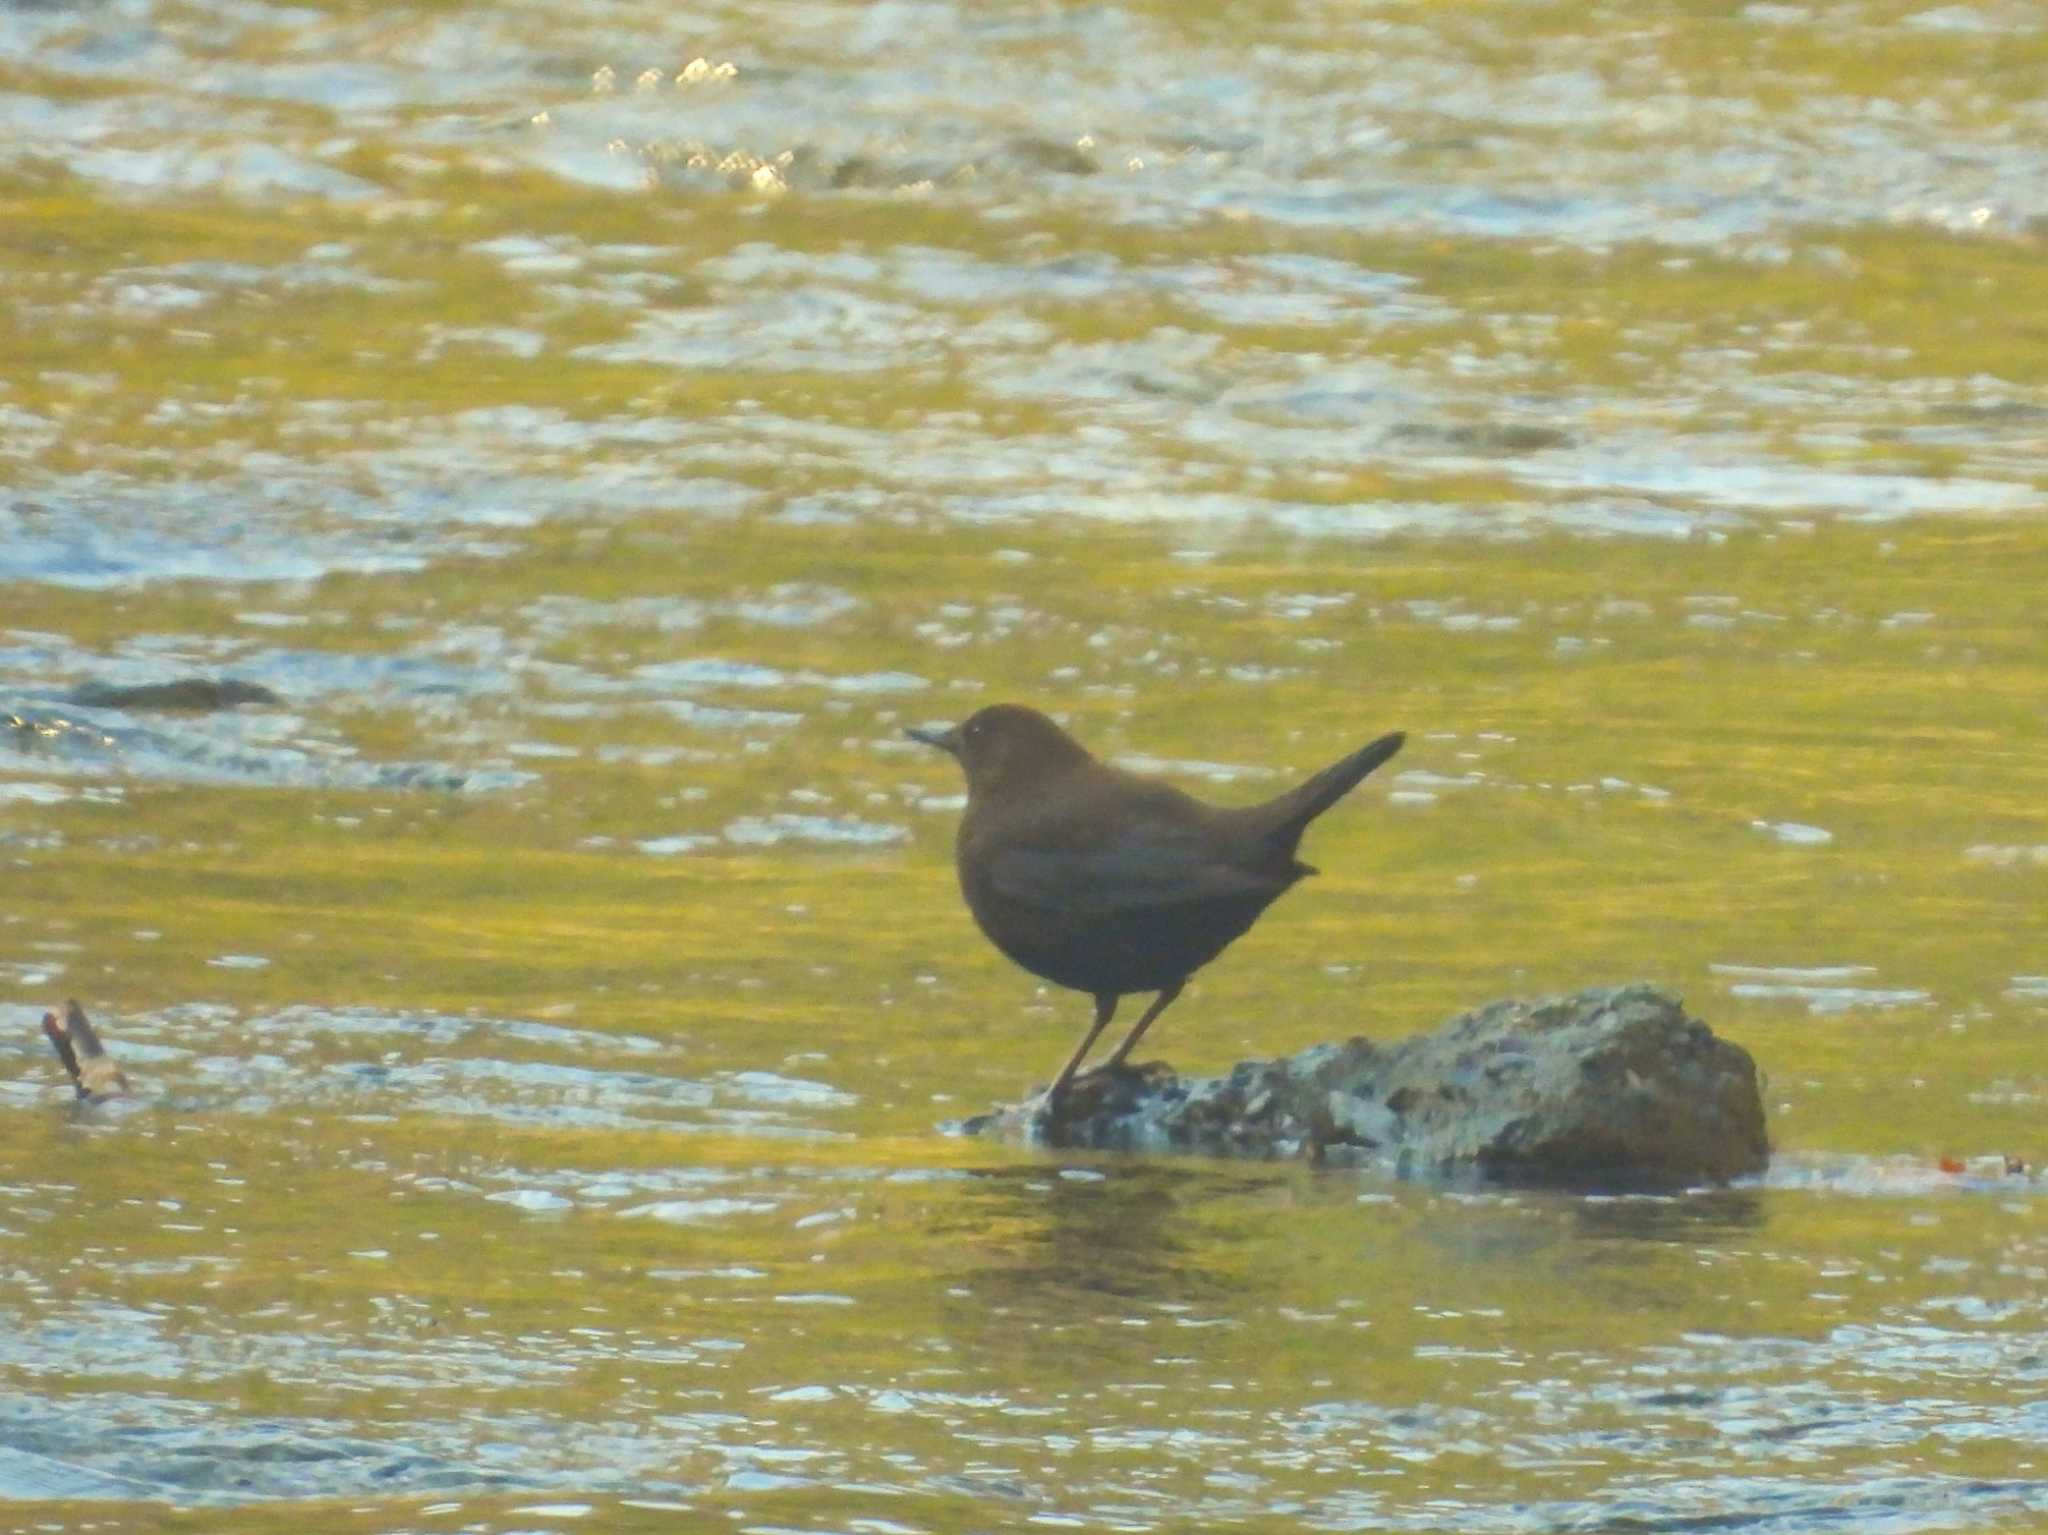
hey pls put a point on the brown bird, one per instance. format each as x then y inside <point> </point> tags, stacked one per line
<point>1109,883</point>
<point>78,1046</point>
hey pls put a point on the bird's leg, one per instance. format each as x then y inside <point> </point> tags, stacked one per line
<point>1159,1005</point>
<point>1105,1009</point>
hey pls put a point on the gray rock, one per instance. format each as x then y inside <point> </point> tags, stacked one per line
<point>1612,1088</point>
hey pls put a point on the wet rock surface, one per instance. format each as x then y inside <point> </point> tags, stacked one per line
<point>1610,1088</point>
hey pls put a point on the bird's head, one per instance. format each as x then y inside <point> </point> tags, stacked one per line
<point>1004,745</point>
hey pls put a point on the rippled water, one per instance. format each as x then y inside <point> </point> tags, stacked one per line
<point>586,436</point>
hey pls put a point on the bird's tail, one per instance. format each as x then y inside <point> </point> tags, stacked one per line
<point>1283,820</point>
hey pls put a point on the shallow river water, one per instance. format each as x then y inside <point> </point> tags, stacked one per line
<point>601,428</point>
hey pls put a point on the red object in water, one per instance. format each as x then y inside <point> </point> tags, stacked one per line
<point>1951,1164</point>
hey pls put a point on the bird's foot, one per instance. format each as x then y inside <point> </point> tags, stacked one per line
<point>1125,1071</point>
<point>1088,1088</point>
<point>1091,1100</point>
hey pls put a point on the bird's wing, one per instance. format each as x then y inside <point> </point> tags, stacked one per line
<point>1128,875</point>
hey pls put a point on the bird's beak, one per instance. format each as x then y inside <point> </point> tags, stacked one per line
<point>946,739</point>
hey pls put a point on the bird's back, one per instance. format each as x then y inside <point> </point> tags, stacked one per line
<point>1106,881</point>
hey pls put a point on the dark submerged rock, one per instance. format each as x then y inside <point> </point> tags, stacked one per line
<point>194,694</point>
<point>1611,1088</point>
<point>1493,439</point>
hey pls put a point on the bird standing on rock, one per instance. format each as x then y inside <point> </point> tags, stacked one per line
<point>1107,882</point>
